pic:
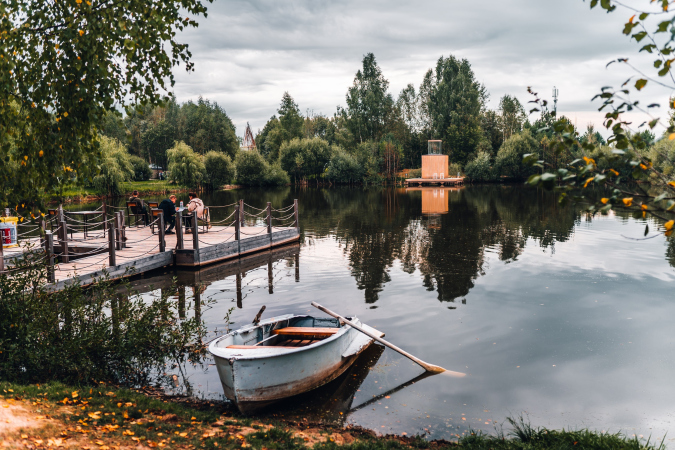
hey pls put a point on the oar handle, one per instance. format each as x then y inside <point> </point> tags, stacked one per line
<point>428,367</point>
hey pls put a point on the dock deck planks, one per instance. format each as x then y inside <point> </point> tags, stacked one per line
<point>142,251</point>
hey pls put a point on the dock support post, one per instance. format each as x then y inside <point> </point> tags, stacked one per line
<point>241,212</point>
<point>297,267</point>
<point>49,253</point>
<point>160,232</point>
<point>269,221</point>
<point>240,298</point>
<point>295,208</point>
<point>195,234</point>
<point>179,230</point>
<point>270,275</point>
<point>236,227</point>
<point>111,245</point>
<point>64,241</point>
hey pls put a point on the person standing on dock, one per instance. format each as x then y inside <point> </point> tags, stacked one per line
<point>140,206</point>
<point>197,204</point>
<point>168,207</point>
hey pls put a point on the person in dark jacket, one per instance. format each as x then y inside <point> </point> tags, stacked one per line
<point>140,207</point>
<point>168,207</point>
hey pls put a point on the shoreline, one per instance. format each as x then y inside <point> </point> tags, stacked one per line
<point>54,415</point>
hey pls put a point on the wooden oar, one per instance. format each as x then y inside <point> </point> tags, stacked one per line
<point>428,367</point>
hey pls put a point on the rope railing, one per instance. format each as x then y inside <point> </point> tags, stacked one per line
<point>283,210</point>
<point>284,217</point>
<point>253,207</point>
<point>223,206</point>
<point>242,222</point>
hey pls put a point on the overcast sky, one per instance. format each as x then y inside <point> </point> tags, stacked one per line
<point>247,53</point>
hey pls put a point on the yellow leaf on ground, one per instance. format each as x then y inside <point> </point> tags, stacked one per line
<point>74,394</point>
<point>183,434</point>
<point>24,436</point>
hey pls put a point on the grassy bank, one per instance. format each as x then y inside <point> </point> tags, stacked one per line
<point>101,417</point>
<point>143,187</point>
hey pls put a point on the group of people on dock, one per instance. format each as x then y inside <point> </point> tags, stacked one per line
<point>169,208</point>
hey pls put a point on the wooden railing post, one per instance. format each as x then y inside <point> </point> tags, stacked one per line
<point>2,257</point>
<point>49,253</point>
<point>295,208</point>
<point>111,244</point>
<point>160,232</point>
<point>124,230</point>
<point>269,220</point>
<point>195,231</point>
<point>64,241</point>
<point>105,217</point>
<point>179,230</point>
<point>118,231</point>
<point>242,216</point>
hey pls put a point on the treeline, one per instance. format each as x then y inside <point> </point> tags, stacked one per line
<point>369,140</point>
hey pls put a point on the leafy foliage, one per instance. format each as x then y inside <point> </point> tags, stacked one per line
<point>79,335</point>
<point>253,170</point>
<point>631,155</point>
<point>142,171</point>
<point>302,158</point>
<point>220,170</point>
<point>116,167</point>
<point>185,165</point>
<point>509,160</point>
<point>480,168</point>
<point>343,168</point>
<point>62,67</point>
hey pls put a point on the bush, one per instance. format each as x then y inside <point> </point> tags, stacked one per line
<point>276,176</point>
<point>302,158</point>
<point>415,173</point>
<point>253,170</point>
<point>102,333</point>
<point>453,170</point>
<point>220,170</point>
<point>115,165</point>
<point>142,171</point>
<point>509,160</point>
<point>185,166</point>
<point>480,168</point>
<point>343,168</point>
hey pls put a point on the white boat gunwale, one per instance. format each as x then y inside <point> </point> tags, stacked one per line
<point>253,353</point>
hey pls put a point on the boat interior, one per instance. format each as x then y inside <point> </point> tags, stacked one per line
<point>299,331</point>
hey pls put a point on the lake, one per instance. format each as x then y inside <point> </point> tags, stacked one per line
<point>555,316</point>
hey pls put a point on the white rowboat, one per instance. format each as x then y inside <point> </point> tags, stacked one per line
<point>285,356</point>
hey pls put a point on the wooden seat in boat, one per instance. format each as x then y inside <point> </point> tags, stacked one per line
<point>294,337</point>
<point>306,331</point>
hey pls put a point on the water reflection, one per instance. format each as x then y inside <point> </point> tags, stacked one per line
<point>550,312</point>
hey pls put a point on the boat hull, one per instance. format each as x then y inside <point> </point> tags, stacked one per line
<point>254,381</point>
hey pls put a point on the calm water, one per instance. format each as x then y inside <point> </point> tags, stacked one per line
<point>553,316</point>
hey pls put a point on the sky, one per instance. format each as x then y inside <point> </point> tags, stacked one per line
<point>246,54</point>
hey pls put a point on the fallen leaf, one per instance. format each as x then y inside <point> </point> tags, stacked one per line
<point>74,394</point>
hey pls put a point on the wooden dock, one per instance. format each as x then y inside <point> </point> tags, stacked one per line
<point>122,251</point>
<point>456,181</point>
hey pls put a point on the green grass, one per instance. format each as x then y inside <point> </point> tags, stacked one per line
<point>125,417</point>
<point>143,187</point>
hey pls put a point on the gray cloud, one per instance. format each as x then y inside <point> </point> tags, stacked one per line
<point>247,53</point>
